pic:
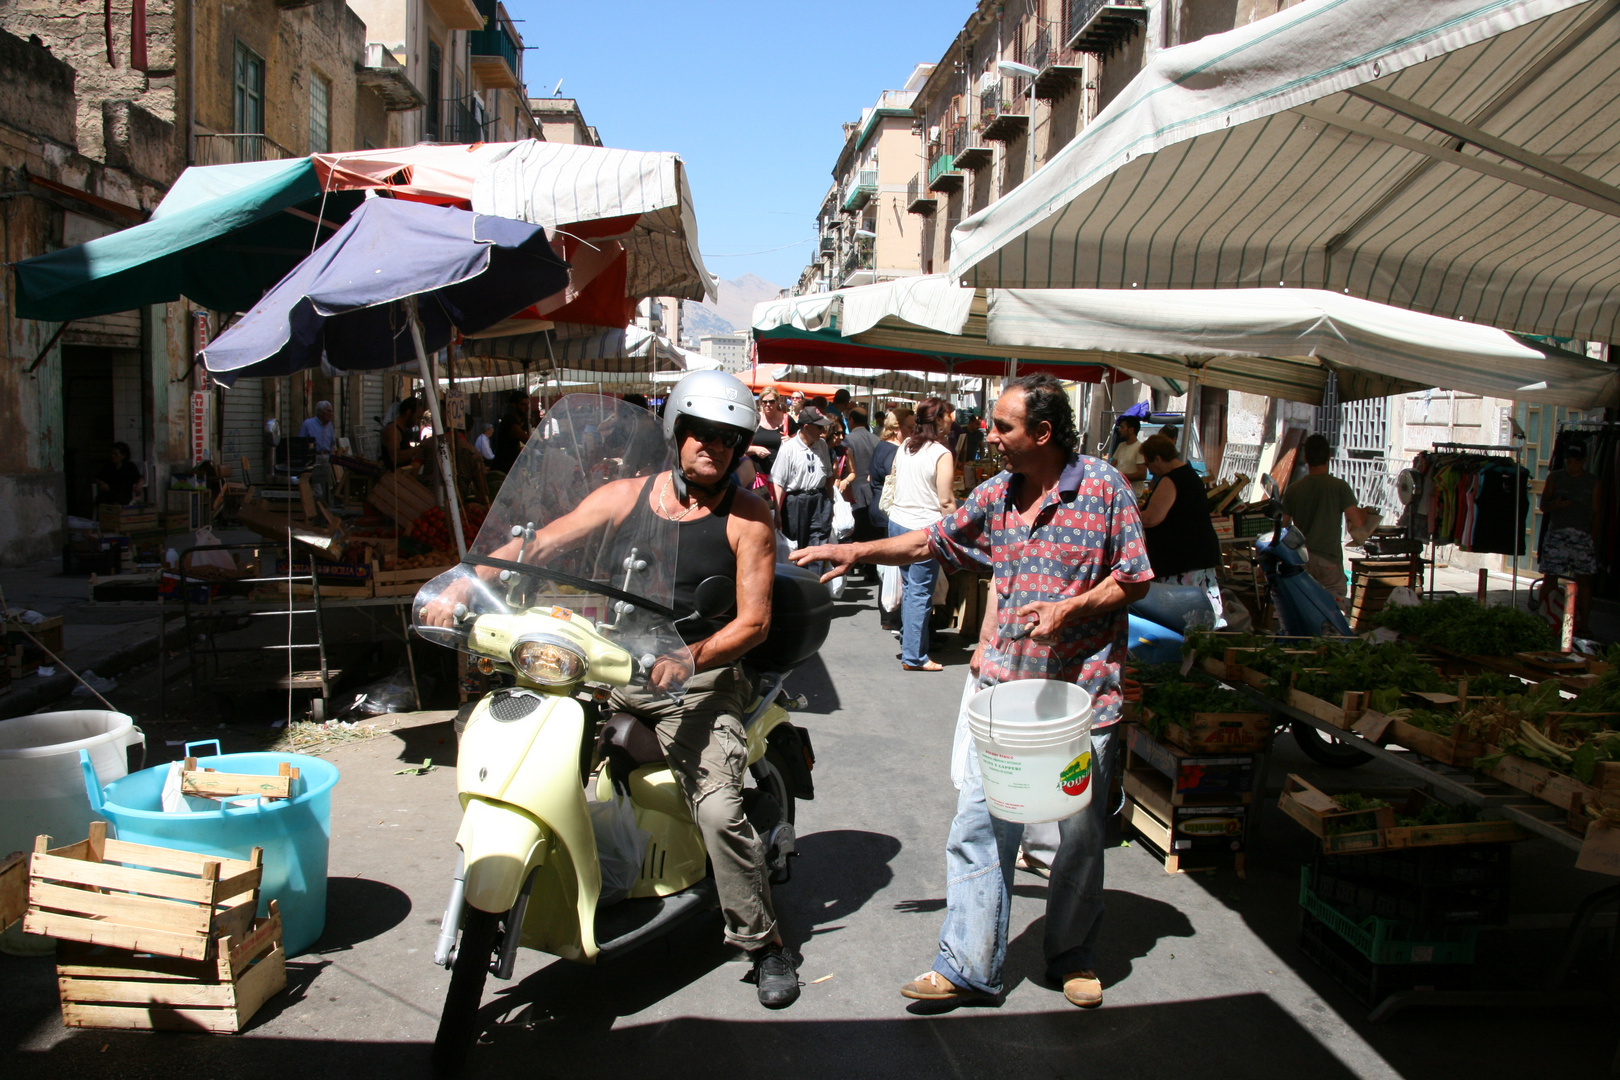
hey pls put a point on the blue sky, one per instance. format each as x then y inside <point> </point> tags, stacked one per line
<point>750,94</point>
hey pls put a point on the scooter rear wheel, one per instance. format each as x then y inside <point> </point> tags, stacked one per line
<point>458,1023</point>
<point>1324,750</point>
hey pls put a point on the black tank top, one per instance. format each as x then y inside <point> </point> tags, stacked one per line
<point>1185,539</point>
<point>702,551</point>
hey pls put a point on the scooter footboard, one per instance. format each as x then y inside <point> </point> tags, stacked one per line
<point>500,843</point>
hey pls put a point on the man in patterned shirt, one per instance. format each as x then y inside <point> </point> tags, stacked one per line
<point>1061,533</point>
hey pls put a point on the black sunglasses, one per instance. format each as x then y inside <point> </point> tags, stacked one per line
<point>705,432</point>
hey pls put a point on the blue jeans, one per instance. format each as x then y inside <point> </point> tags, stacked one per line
<point>979,859</point>
<point>916,605</point>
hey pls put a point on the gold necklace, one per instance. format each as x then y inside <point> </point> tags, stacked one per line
<point>669,484</point>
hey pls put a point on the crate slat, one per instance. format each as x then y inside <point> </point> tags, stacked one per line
<point>134,938</point>
<point>197,890</point>
<point>145,992</point>
<point>146,912</point>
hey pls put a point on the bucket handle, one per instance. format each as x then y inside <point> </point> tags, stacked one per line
<point>92,785</point>
<point>218,752</point>
<point>136,735</point>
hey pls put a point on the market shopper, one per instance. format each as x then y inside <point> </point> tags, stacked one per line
<point>1181,540</point>
<point>120,480</point>
<point>320,428</point>
<point>924,474</point>
<point>1570,503</point>
<point>896,429</point>
<point>861,443</point>
<point>397,451</point>
<point>1320,504</point>
<point>1127,456</point>
<point>482,443</point>
<point>804,483</point>
<point>1061,533</point>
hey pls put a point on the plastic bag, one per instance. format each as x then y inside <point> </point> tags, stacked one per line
<point>962,743</point>
<point>891,589</point>
<point>390,694</point>
<point>843,517</point>
<point>942,589</point>
<point>219,560</point>
<point>620,847</point>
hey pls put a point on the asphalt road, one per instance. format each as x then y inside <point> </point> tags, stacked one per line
<point>1202,972</point>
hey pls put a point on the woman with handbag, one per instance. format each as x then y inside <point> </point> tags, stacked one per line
<point>924,475</point>
<point>896,428</point>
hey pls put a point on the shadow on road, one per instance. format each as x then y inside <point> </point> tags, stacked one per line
<point>359,909</point>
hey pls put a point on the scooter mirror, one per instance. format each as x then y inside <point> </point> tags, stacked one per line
<point>715,596</point>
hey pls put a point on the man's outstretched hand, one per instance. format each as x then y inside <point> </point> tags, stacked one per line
<point>841,556</point>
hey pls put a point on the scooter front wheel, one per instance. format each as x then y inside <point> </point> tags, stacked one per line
<point>458,1023</point>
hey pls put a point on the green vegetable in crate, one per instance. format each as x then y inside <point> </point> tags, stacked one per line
<point>1361,808</point>
<point>1172,698</point>
<point>1438,813</point>
<point>1386,670</point>
<point>1461,625</point>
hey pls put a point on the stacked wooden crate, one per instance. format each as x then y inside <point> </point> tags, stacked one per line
<point>1195,802</point>
<point>150,937</point>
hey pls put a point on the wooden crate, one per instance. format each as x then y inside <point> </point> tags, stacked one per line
<point>1221,733</point>
<point>1454,749</point>
<point>1549,785</point>
<point>402,582</point>
<point>1318,812</point>
<point>398,496</point>
<point>1193,776</point>
<point>1232,670</point>
<point>48,633</point>
<point>1373,579</point>
<point>123,519</point>
<point>141,898</point>
<point>119,989</point>
<point>1342,716</point>
<point>1160,835</point>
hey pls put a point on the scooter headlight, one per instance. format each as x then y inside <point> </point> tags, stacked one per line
<point>548,661</point>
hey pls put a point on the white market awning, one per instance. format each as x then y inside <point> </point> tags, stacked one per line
<point>1454,157</point>
<point>1277,342</point>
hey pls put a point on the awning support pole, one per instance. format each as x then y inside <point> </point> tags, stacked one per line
<point>430,387</point>
<point>1194,393</point>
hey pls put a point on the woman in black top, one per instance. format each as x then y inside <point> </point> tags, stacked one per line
<point>1181,540</point>
<point>120,480</point>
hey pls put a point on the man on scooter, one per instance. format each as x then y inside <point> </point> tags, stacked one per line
<point>709,418</point>
<point>1061,532</point>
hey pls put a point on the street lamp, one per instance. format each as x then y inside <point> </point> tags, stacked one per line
<point>1012,69</point>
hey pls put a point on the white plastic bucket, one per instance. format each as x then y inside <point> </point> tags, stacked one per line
<point>1034,742</point>
<point>42,787</point>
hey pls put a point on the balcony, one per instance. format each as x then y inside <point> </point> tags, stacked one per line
<point>386,77</point>
<point>943,175</point>
<point>861,189</point>
<point>1004,116</point>
<point>493,51</point>
<point>1059,66</point>
<point>968,148</point>
<point>458,14</point>
<point>829,244</point>
<point>1100,27</point>
<point>856,267</point>
<point>234,149</point>
<point>920,199</point>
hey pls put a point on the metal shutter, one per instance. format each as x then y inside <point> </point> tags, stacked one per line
<point>243,426</point>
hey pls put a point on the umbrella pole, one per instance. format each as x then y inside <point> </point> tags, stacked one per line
<point>430,387</point>
<point>1191,410</point>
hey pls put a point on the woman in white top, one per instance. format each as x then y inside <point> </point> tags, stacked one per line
<point>923,493</point>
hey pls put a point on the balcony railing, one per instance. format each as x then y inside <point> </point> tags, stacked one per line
<point>1004,114</point>
<point>857,260</point>
<point>1059,65</point>
<point>829,245</point>
<point>967,147</point>
<point>919,198</point>
<point>1100,26</point>
<point>234,149</point>
<point>494,55</point>
<point>460,124</point>
<point>861,189</point>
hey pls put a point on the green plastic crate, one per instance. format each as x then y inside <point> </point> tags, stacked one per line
<point>1388,941</point>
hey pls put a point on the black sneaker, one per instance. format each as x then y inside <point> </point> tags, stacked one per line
<point>776,977</point>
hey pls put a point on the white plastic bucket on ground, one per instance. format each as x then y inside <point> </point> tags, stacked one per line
<point>1034,742</point>
<point>42,788</point>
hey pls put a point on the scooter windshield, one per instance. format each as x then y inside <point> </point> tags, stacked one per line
<point>574,526</point>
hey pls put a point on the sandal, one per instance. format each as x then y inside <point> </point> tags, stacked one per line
<point>929,666</point>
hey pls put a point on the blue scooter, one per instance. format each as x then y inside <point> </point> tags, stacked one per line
<point>1160,621</point>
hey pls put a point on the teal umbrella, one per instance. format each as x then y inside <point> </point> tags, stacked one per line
<point>221,238</point>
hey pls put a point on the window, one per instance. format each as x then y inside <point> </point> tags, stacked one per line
<point>248,110</point>
<point>320,115</point>
<point>435,95</point>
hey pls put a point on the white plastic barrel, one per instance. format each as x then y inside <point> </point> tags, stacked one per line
<point>42,787</point>
<point>1034,742</point>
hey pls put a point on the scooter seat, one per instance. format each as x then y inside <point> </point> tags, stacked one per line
<point>634,738</point>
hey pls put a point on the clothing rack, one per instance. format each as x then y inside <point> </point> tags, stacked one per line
<point>1517,451</point>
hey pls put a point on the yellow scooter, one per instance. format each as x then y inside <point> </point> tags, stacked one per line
<point>553,787</point>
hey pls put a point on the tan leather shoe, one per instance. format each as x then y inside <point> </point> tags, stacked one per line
<point>932,986</point>
<point>1083,988</point>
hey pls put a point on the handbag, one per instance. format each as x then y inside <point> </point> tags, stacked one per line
<point>886,500</point>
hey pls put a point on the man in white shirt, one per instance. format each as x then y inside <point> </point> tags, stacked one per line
<point>1128,455</point>
<point>482,444</point>
<point>802,479</point>
<point>319,427</point>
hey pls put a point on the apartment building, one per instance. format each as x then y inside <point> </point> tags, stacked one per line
<point>865,233</point>
<point>560,121</point>
<point>730,349</point>
<point>464,61</point>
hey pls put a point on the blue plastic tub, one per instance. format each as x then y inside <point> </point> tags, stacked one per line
<point>295,833</point>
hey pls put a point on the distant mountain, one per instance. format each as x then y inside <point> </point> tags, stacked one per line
<point>733,312</point>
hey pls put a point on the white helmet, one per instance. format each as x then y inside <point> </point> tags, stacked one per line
<point>714,396</point>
